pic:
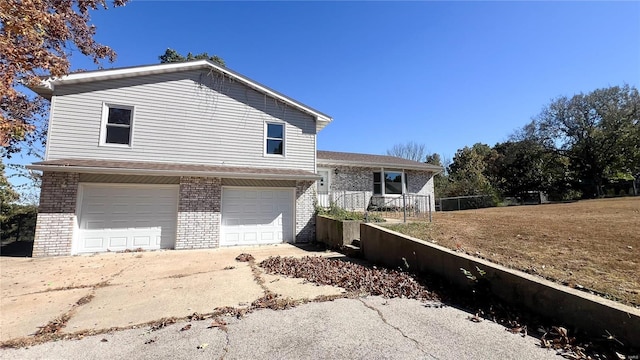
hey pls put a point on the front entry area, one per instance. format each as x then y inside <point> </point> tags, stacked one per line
<point>257,216</point>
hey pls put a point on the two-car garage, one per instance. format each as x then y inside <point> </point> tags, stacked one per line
<point>118,217</point>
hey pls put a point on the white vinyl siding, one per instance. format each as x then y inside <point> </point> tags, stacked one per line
<point>187,117</point>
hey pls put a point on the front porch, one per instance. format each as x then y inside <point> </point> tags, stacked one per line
<point>387,206</point>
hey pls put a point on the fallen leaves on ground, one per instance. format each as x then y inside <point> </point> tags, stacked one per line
<point>244,257</point>
<point>54,326</point>
<point>350,276</point>
<point>273,302</point>
<point>84,300</point>
<point>186,327</point>
<point>162,323</point>
<point>218,323</point>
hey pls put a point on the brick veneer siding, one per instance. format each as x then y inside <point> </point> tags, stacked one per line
<point>421,182</point>
<point>198,213</point>
<point>56,214</point>
<point>352,179</point>
<point>349,180</point>
<point>305,211</point>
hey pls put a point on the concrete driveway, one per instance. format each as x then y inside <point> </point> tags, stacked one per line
<point>124,289</point>
<point>127,289</point>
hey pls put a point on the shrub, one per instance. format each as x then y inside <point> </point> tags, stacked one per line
<point>18,222</point>
<point>339,213</point>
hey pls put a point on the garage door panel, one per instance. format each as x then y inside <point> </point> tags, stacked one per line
<point>142,241</point>
<point>256,216</point>
<point>94,243</point>
<point>117,242</point>
<point>127,217</point>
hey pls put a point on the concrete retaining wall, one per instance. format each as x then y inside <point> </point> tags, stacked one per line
<point>336,233</point>
<point>566,306</point>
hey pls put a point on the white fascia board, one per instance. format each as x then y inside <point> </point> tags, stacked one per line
<point>427,167</point>
<point>151,172</point>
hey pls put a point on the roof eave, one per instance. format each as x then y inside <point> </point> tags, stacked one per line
<point>426,167</point>
<point>47,86</point>
<point>154,172</point>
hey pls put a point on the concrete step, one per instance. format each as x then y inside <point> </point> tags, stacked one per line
<point>352,251</point>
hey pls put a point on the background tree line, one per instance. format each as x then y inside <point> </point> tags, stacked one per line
<point>584,146</point>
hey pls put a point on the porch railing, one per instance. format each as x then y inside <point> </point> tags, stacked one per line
<point>400,207</point>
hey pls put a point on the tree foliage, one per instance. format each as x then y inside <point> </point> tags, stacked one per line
<point>409,150</point>
<point>7,192</point>
<point>598,132</point>
<point>37,38</point>
<point>525,165</point>
<point>470,171</point>
<point>171,56</point>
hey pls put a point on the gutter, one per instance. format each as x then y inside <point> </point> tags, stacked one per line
<point>151,172</point>
<point>433,168</point>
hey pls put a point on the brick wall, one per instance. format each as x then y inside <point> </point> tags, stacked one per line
<point>198,213</point>
<point>421,182</point>
<point>352,187</point>
<point>56,214</point>
<point>305,211</point>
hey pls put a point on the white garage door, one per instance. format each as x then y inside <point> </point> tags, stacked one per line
<point>252,216</point>
<point>120,217</point>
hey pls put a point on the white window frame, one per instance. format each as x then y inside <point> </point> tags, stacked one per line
<point>382,172</point>
<point>105,118</point>
<point>284,137</point>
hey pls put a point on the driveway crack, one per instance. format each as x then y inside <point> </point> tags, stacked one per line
<point>384,320</point>
<point>225,349</point>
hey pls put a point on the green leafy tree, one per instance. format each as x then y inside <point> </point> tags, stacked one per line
<point>597,132</point>
<point>171,56</point>
<point>470,171</point>
<point>526,165</point>
<point>36,39</point>
<point>7,195</point>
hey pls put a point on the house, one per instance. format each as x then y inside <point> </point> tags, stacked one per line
<point>180,155</point>
<point>374,182</point>
<point>189,155</point>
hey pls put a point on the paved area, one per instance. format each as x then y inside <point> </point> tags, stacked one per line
<point>133,288</point>
<point>126,289</point>
<point>367,328</point>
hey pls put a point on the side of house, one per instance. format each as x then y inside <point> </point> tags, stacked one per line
<point>368,182</point>
<point>181,156</point>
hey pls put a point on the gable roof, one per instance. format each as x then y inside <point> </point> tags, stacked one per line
<point>369,160</point>
<point>48,85</point>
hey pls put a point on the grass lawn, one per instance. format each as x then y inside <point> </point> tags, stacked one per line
<point>594,244</point>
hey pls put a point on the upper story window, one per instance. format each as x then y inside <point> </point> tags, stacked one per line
<point>389,182</point>
<point>117,123</point>
<point>274,140</point>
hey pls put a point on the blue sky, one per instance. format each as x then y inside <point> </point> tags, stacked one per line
<point>446,74</point>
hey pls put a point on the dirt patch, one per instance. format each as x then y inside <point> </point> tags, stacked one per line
<point>590,245</point>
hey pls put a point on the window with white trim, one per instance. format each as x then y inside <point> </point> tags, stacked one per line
<point>274,139</point>
<point>389,182</point>
<point>117,124</point>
